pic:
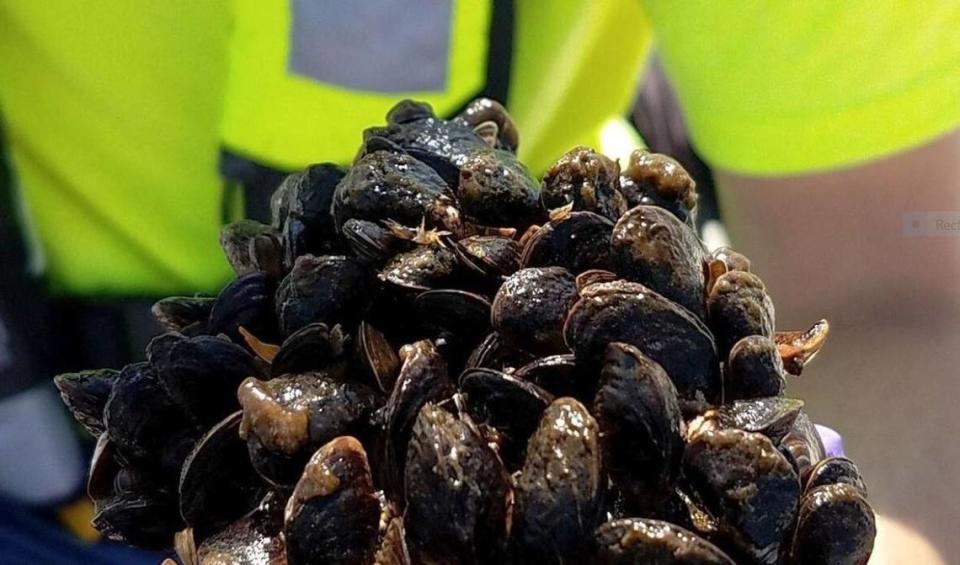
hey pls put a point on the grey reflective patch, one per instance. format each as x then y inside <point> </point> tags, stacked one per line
<point>374,45</point>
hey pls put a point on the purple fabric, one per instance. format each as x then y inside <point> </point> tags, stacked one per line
<point>832,441</point>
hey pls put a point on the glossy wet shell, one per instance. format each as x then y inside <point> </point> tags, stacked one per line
<point>651,246</point>
<point>639,541</point>
<point>834,470</point>
<point>494,254</point>
<point>804,444</point>
<point>146,520</point>
<point>739,306</point>
<point>333,514</point>
<point>754,369</point>
<point>510,405</point>
<point>457,493</point>
<point>302,211</point>
<point>422,268</point>
<point>85,394</point>
<point>385,185</point>
<point>588,180</point>
<point>560,489</point>
<point>560,376</point>
<point>771,416</point>
<point>659,180</point>
<point>329,290</point>
<point>531,306</point>
<point>497,190</point>
<point>640,423</point>
<point>749,486</point>
<point>631,313</point>
<point>245,542</point>
<point>251,247</point>
<point>177,312</point>
<point>836,525</point>
<point>314,347</point>
<point>370,242</point>
<point>486,110</point>
<point>577,242</point>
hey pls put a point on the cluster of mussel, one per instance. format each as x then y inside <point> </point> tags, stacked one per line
<point>430,357</point>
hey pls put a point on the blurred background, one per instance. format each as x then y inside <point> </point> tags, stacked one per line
<point>823,137</point>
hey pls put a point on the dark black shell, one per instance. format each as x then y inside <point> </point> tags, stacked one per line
<point>148,520</point>
<point>531,306</point>
<point>329,290</point>
<point>510,405</point>
<point>754,369</point>
<point>772,416</point>
<point>457,493</point>
<point>651,246</point>
<point>386,185</point>
<point>492,255</point>
<point>218,484</point>
<point>302,212</point>
<point>85,394</point>
<point>246,302</point>
<point>201,374</point>
<point>371,243</point>
<point>496,352</point>
<point>422,268</point>
<point>669,334</point>
<point>749,486</point>
<point>588,180</point>
<point>560,375</point>
<point>485,110</point>
<point>640,423</point>
<point>578,242</point>
<point>423,378</point>
<point>834,470</point>
<point>251,247</point>
<point>836,526</point>
<point>739,306</point>
<point>333,515</point>
<point>314,347</point>
<point>559,492</point>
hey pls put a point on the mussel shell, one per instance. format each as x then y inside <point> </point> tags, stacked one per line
<point>804,444</point>
<point>732,260</point>
<point>302,211</point>
<point>578,242</point>
<point>328,289</point>
<point>422,268</point>
<point>217,483</point>
<point>835,526</point>
<point>667,333</point>
<point>140,417</point>
<point>739,306</point>
<point>835,470</point>
<point>333,515</point>
<point>454,312</point>
<point>251,246</point>
<point>640,423</point>
<point>252,540</point>
<point>423,378</point>
<point>287,418</point>
<point>636,541</point>
<point>510,405</point>
<point>772,416</point>
<point>393,544</point>
<point>385,185</point>
<point>531,306</point>
<point>457,493</point>
<point>377,357</point>
<point>749,486</point>
<point>177,312</point>
<point>651,246</point>
<point>247,301</point>
<point>754,369</point>
<point>483,110</point>
<point>371,243</point>
<point>496,352</point>
<point>493,255</point>
<point>588,180</point>
<point>103,469</point>
<point>146,520</point>
<point>314,347</point>
<point>560,375</point>
<point>495,189</point>
<point>85,394</point>
<point>559,492</point>
<point>200,374</point>
<point>659,180</point>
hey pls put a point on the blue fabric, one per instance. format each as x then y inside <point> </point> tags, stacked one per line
<point>26,539</point>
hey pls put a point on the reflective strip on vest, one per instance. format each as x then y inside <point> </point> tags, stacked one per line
<point>307,76</point>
